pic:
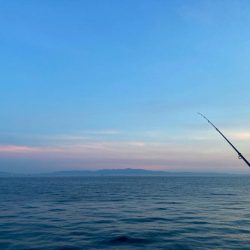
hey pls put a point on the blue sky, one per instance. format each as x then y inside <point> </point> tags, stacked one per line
<point>113,84</point>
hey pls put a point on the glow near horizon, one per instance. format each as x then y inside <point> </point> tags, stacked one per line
<point>112,85</point>
<point>187,153</point>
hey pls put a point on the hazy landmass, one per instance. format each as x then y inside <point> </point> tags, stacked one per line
<point>112,172</point>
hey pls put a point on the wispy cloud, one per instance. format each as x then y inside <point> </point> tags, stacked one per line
<point>241,135</point>
<point>16,149</point>
<point>102,132</point>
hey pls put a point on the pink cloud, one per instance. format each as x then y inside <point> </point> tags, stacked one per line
<point>17,149</point>
<point>14,149</point>
<point>244,135</point>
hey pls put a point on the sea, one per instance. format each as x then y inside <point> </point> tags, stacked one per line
<point>119,212</point>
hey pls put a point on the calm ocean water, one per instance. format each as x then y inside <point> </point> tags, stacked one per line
<point>125,213</point>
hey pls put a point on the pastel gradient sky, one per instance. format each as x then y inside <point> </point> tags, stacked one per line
<point>117,84</point>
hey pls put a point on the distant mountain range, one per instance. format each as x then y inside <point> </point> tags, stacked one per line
<point>108,172</point>
<point>111,172</point>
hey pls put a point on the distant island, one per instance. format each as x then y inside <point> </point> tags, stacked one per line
<point>111,172</point>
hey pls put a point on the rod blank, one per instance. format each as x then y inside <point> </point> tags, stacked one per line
<point>240,156</point>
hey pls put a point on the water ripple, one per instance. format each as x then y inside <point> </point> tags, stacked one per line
<point>125,213</point>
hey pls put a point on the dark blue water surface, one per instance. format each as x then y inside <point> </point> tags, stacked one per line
<point>125,213</point>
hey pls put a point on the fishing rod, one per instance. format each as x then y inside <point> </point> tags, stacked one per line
<point>240,156</point>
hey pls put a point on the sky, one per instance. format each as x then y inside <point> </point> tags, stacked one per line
<point>117,84</point>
